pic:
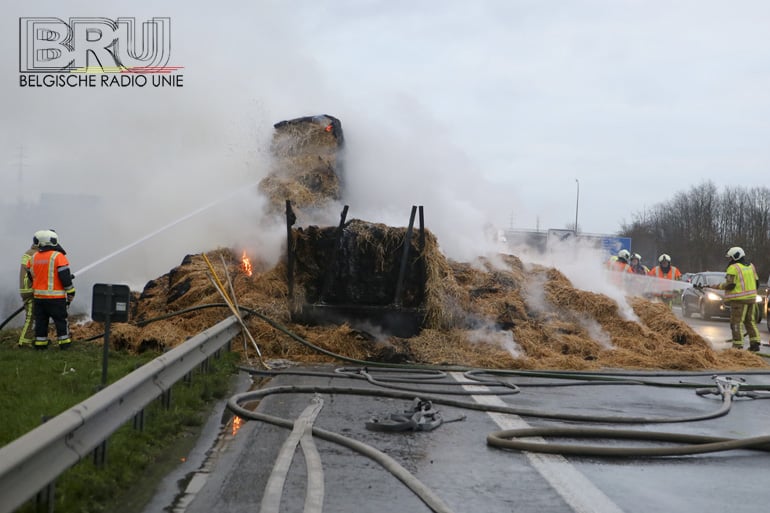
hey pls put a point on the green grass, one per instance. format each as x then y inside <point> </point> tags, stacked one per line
<point>41,384</point>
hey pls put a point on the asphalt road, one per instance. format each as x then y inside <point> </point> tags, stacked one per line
<point>264,467</point>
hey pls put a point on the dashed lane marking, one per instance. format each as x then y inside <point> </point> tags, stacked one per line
<point>574,487</point>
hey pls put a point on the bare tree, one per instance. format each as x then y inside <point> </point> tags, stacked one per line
<point>697,226</point>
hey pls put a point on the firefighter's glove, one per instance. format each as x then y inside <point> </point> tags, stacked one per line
<point>70,297</point>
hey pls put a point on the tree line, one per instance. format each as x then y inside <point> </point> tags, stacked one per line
<point>698,226</point>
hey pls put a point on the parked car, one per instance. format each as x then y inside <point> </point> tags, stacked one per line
<point>687,277</point>
<point>708,302</point>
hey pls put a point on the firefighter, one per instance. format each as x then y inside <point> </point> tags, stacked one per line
<point>636,265</point>
<point>664,270</point>
<point>620,262</point>
<point>53,289</point>
<point>619,268</point>
<point>27,335</point>
<point>740,288</point>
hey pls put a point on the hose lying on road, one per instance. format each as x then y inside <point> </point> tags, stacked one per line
<point>696,444</point>
<point>433,501</point>
<point>524,412</point>
<point>511,439</point>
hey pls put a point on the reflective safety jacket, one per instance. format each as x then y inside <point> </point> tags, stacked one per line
<point>620,266</point>
<point>618,271</point>
<point>51,277</point>
<point>659,288</point>
<point>25,278</point>
<point>745,278</point>
<point>672,274</point>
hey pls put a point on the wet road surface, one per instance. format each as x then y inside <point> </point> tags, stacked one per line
<point>457,465</point>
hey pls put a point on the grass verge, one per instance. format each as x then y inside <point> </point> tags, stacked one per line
<point>36,385</point>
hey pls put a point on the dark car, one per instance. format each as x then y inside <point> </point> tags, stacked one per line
<point>709,302</point>
<point>764,291</point>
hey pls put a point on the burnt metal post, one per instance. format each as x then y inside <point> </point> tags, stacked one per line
<point>291,218</point>
<point>329,278</point>
<point>404,260</point>
<point>423,264</point>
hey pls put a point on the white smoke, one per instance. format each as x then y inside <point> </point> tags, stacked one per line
<point>483,113</point>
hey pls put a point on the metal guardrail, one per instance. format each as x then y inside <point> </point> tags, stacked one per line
<point>31,462</point>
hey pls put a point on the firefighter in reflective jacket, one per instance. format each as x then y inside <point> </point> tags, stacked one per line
<point>740,288</point>
<point>665,271</point>
<point>27,335</point>
<point>620,267</point>
<point>52,289</point>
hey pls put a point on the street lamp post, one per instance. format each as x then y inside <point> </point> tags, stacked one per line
<point>577,204</point>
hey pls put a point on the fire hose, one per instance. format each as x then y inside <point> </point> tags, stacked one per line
<point>10,317</point>
<point>412,420</point>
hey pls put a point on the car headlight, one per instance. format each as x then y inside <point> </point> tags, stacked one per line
<point>712,296</point>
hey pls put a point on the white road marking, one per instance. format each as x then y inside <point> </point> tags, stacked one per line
<point>575,488</point>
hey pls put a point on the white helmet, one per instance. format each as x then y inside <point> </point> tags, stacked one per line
<point>46,238</point>
<point>624,254</point>
<point>664,258</point>
<point>637,256</point>
<point>735,253</point>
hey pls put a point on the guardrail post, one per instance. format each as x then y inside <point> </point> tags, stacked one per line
<point>188,378</point>
<point>45,500</point>
<point>165,399</point>
<point>139,420</point>
<point>100,454</point>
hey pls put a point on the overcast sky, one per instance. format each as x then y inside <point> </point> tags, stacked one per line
<point>483,112</point>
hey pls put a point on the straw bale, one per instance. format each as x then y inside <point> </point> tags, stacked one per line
<point>304,165</point>
<point>301,138</point>
<point>470,308</point>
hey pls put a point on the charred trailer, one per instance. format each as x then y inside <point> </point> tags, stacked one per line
<point>368,275</point>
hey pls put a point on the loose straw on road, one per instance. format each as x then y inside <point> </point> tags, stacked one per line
<point>236,313</point>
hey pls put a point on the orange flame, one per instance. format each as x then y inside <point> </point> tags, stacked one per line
<point>237,423</point>
<point>246,264</point>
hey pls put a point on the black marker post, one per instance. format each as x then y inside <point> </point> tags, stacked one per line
<point>109,304</point>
